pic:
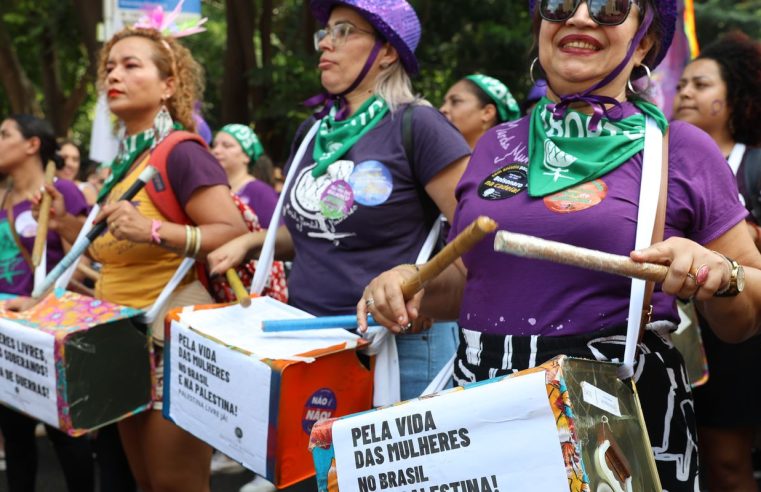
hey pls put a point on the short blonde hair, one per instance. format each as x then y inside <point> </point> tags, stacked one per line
<point>172,60</point>
<point>394,86</point>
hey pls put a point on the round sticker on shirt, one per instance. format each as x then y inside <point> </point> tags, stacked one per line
<point>371,182</point>
<point>337,199</point>
<point>504,182</point>
<point>577,198</point>
<point>26,226</point>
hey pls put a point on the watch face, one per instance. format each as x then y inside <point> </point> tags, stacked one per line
<point>740,278</point>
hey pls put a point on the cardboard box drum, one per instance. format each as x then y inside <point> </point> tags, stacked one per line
<point>569,424</point>
<point>256,396</point>
<point>74,362</point>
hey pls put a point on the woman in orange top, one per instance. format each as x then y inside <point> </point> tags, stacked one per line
<point>151,82</point>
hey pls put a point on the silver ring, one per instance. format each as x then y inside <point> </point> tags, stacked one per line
<point>369,303</point>
<point>406,327</point>
<point>691,276</point>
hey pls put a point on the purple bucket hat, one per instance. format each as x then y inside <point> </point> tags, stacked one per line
<point>666,15</point>
<point>395,20</point>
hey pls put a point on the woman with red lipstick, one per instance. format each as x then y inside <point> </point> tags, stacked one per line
<point>152,83</point>
<point>579,160</point>
<point>382,167</point>
<point>718,93</point>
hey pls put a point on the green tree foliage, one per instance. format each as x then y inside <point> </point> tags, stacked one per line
<point>52,45</point>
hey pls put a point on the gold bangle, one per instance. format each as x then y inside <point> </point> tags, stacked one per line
<point>197,247</point>
<point>187,240</point>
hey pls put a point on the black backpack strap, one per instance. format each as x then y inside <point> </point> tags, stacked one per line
<point>430,210</point>
<point>752,182</point>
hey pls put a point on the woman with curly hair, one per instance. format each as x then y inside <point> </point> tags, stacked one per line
<point>152,82</point>
<point>718,92</point>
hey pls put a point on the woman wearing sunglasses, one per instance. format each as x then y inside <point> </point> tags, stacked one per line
<point>362,199</point>
<point>577,163</point>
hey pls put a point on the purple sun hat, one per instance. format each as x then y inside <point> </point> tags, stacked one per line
<point>395,20</point>
<point>666,15</point>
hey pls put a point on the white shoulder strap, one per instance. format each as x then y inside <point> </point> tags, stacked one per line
<point>652,161</point>
<point>63,280</point>
<point>735,157</point>
<point>264,264</point>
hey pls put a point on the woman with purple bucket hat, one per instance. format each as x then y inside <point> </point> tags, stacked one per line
<point>578,162</point>
<point>380,169</point>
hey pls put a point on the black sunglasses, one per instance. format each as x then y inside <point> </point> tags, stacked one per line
<point>603,12</point>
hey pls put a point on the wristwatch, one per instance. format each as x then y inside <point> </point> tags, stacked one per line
<point>736,279</point>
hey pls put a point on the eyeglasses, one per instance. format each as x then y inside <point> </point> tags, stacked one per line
<point>603,12</point>
<point>338,34</point>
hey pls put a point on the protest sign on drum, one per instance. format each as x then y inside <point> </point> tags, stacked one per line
<point>569,424</point>
<point>63,360</point>
<point>255,396</point>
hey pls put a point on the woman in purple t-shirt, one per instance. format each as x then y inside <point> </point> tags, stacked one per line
<point>713,94</point>
<point>26,145</point>
<point>372,182</point>
<point>571,172</point>
<point>238,149</point>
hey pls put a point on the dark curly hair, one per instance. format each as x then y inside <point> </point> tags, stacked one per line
<point>739,60</point>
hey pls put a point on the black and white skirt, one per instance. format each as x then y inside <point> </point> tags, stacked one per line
<point>662,384</point>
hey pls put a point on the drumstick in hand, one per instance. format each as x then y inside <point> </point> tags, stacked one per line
<point>44,217</point>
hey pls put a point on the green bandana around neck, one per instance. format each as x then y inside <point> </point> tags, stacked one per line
<point>132,146</point>
<point>247,140</point>
<point>564,153</point>
<point>335,138</point>
<point>507,106</point>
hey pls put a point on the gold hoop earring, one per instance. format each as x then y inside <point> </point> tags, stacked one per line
<point>648,74</point>
<point>531,70</point>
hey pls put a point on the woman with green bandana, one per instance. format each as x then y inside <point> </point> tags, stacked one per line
<point>362,200</point>
<point>477,103</point>
<point>238,149</point>
<point>572,172</point>
<point>152,82</point>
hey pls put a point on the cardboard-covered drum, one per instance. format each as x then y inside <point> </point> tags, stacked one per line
<point>75,363</point>
<point>569,424</point>
<point>255,396</point>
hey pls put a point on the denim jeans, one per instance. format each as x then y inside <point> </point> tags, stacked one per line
<point>422,355</point>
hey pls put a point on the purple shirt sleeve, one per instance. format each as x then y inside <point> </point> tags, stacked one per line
<point>190,166</point>
<point>435,142</point>
<point>76,204</point>
<point>262,199</point>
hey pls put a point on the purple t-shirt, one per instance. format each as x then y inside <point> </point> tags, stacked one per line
<point>191,166</point>
<point>506,294</point>
<point>365,214</point>
<point>16,277</point>
<point>262,199</point>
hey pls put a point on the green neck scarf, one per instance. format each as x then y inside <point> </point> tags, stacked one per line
<point>564,153</point>
<point>129,149</point>
<point>335,138</point>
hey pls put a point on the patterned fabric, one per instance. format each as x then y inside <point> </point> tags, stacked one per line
<point>276,285</point>
<point>664,392</point>
<point>246,138</point>
<point>507,106</point>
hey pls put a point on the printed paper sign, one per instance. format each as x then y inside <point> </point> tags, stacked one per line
<point>219,395</point>
<point>494,437</point>
<point>27,364</point>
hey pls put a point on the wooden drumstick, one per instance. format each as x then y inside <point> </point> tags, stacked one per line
<point>542,249</point>
<point>240,292</point>
<point>44,218</point>
<point>459,246</point>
